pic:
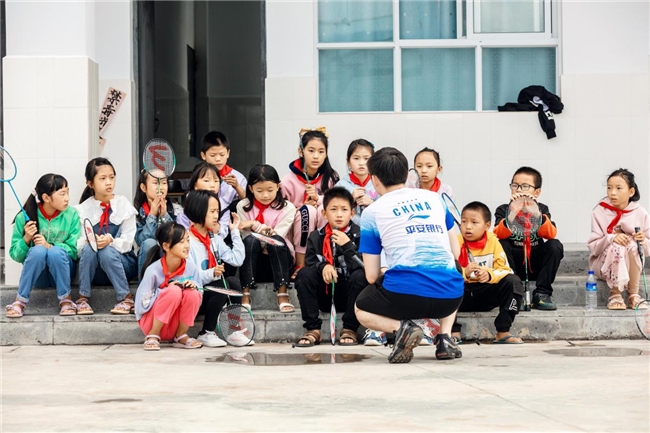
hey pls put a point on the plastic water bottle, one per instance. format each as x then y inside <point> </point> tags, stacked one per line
<point>592,292</point>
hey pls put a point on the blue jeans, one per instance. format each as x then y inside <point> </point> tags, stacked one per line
<point>46,268</point>
<point>143,252</point>
<point>106,267</point>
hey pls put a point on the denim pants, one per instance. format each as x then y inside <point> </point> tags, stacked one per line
<point>143,252</point>
<point>279,257</point>
<point>46,268</point>
<point>106,267</point>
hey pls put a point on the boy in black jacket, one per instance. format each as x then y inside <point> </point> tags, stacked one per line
<point>332,255</point>
<point>546,251</point>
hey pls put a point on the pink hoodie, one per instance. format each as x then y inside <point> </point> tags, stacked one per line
<point>602,217</point>
<point>293,187</point>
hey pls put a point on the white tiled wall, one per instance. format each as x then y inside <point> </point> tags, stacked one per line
<point>605,126</point>
<point>51,112</point>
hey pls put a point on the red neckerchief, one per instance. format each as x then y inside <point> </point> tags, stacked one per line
<point>261,208</point>
<point>355,180</point>
<point>47,217</point>
<point>103,220</point>
<point>145,208</point>
<point>168,276</point>
<point>328,254</point>
<point>436,185</point>
<point>205,240</point>
<point>225,171</point>
<point>617,218</point>
<point>315,180</point>
<point>463,259</point>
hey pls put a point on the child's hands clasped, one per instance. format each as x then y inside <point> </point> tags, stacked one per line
<point>103,241</point>
<point>30,231</point>
<point>329,274</point>
<point>158,206</point>
<point>361,198</point>
<point>475,272</point>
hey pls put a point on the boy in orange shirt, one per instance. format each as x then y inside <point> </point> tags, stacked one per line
<point>489,281</point>
<point>546,252</point>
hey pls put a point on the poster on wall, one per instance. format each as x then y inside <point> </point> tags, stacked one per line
<point>112,102</point>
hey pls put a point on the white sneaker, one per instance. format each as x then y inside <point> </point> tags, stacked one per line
<point>426,341</point>
<point>210,339</point>
<point>374,338</point>
<point>241,338</point>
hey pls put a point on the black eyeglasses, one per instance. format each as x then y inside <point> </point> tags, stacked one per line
<point>523,187</point>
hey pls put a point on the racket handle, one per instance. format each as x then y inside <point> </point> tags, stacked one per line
<point>638,243</point>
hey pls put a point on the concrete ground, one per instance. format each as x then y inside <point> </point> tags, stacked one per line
<point>492,388</point>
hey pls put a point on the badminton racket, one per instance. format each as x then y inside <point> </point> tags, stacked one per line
<point>524,219</point>
<point>268,240</point>
<point>8,172</point>
<point>642,310</point>
<point>333,309</point>
<point>455,213</point>
<point>159,160</point>
<point>413,179</point>
<point>236,325</point>
<point>91,237</point>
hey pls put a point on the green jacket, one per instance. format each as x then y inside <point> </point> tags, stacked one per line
<point>63,231</point>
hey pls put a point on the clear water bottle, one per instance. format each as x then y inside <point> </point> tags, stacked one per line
<point>592,292</point>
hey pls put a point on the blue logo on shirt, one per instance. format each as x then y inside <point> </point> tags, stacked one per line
<point>411,207</point>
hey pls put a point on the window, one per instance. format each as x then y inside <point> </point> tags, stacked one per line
<point>432,55</point>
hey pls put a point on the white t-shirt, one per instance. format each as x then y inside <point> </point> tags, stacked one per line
<point>411,226</point>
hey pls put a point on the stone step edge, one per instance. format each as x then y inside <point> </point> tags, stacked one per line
<point>270,315</point>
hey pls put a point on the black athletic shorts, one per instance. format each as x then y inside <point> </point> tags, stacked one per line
<point>377,300</point>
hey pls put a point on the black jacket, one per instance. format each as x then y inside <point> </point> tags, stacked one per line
<point>517,239</point>
<point>347,257</point>
<point>537,98</point>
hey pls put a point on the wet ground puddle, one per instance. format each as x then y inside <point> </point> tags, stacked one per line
<point>259,358</point>
<point>590,352</point>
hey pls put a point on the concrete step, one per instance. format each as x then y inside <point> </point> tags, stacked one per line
<point>569,290</point>
<point>572,323</point>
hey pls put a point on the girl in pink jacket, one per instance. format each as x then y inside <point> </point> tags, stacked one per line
<point>311,175</point>
<point>614,241</point>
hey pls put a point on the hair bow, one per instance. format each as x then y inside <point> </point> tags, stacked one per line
<point>322,129</point>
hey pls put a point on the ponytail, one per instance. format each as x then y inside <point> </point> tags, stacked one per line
<point>31,209</point>
<point>154,254</point>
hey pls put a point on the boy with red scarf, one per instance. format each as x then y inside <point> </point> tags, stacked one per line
<point>332,256</point>
<point>215,150</point>
<point>546,252</point>
<point>489,281</point>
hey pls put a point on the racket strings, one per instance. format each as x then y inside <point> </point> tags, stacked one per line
<point>7,166</point>
<point>159,155</point>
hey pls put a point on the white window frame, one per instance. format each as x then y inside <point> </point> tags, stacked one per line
<point>549,39</point>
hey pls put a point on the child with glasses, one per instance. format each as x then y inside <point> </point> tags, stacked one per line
<point>546,251</point>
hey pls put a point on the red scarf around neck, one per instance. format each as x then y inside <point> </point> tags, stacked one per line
<point>225,171</point>
<point>304,178</point>
<point>168,276</point>
<point>103,220</point>
<point>145,208</point>
<point>261,208</point>
<point>328,253</point>
<point>205,240</point>
<point>463,259</point>
<point>355,180</point>
<point>436,185</point>
<point>617,218</point>
<point>48,217</point>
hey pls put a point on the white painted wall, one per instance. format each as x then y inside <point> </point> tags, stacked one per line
<point>605,125</point>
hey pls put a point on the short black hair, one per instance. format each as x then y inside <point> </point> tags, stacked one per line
<point>537,176</point>
<point>389,165</point>
<point>337,192</point>
<point>214,138</point>
<point>199,171</point>
<point>481,208</point>
<point>196,205</point>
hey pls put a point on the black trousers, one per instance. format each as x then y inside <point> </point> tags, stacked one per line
<point>544,261</point>
<point>506,294</point>
<point>213,303</point>
<point>314,296</point>
<point>280,261</point>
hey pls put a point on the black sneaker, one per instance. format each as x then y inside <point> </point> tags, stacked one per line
<point>406,338</point>
<point>446,348</point>
<point>542,301</point>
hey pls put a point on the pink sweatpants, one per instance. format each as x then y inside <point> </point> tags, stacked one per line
<point>312,222</point>
<point>172,307</point>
